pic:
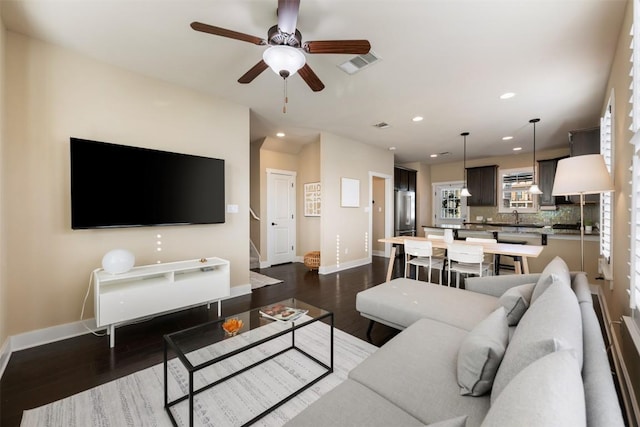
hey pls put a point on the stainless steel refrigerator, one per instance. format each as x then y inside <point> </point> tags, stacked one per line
<point>405,213</point>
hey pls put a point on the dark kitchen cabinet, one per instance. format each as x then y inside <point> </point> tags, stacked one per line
<point>404,179</point>
<point>585,141</point>
<point>581,142</point>
<point>481,182</point>
<point>546,178</point>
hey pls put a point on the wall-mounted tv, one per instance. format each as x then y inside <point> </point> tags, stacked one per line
<point>121,186</point>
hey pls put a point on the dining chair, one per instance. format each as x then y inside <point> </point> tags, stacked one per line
<point>489,259</point>
<point>419,253</point>
<point>466,259</point>
<point>439,254</point>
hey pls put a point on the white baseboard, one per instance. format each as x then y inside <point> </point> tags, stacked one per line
<point>68,330</point>
<point>377,253</point>
<point>344,266</point>
<point>265,264</point>
<point>5,354</point>
<point>51,334</point>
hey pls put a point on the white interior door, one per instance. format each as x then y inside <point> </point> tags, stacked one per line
<point>281,216</point>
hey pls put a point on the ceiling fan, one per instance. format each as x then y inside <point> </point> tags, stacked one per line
<point>285,52</point>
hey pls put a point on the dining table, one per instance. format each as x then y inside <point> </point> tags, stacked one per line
<point>520,253</point>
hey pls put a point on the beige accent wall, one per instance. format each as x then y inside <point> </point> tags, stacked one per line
<point>619,81</point>
<point>4,303</point>
<point>345,230</point>
<point>308,233</point>
<point>54,94</point>
<point>254,197</point>
<point>378,214</point>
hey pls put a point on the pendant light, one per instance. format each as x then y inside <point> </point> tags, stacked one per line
<point>465,191</point>
<point>534,187</point>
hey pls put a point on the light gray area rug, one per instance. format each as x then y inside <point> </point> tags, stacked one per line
<point>259,280</point>
<point>137,399</point>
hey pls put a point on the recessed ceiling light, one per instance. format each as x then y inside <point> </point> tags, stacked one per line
<point>507,138</point>
<point>433,155</point>
<point>507,95</point>
<point>392,148</point>
<point>517,148</point>
<point>418,119</point>
<point>280,134</point>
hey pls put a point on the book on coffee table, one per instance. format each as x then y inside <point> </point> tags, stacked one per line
<point>282,313</point>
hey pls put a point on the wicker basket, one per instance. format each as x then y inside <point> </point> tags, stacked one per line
<point>312,260</point>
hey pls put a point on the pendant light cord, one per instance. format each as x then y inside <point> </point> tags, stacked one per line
<point>534,121</point>
<point>286,98</point>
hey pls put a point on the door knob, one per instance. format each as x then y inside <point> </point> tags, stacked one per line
<point>273,223</point>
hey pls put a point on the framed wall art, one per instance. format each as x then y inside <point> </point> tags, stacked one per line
<point>350,193</point>
<point>312,200</point>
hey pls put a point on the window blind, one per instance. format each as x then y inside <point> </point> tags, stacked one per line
<point>634,258</point>
<point>606,149</point>
<point>635,231</point>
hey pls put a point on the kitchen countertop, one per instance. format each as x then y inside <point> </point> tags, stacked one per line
<point>510,228</point>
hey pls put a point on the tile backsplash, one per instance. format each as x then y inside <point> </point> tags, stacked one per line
<point>565,214</point>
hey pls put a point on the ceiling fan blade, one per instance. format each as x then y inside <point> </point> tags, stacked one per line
<point>288,15</point>
<point>253,72</point>
<point>357,47</point>
<point>206,28</point>
<point>311,78</point>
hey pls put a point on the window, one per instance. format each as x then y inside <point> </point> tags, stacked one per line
<point>448,207</point>
<point>514,191</point>
<point>606,149</point>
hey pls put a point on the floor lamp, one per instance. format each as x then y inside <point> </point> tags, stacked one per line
<point>582,175</point>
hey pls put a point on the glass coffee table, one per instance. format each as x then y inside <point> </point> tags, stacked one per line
<point>214,356</point>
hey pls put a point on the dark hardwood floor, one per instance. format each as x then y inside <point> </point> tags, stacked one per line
<point>54,371</point>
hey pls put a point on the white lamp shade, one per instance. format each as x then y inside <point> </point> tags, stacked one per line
<point>118,261</point>
<point>586,174</point>
<point>284,58</point>
<point>465,192</point>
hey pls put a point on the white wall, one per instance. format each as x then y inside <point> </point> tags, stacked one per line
<point>53,94</point>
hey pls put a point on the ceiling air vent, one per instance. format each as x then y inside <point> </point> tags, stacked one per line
<point>382,125</point>
<point>359,62</point>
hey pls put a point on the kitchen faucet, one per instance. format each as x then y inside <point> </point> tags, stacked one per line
<point>515,212</point>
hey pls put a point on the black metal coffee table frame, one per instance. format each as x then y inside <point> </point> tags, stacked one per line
<point>169,343</point>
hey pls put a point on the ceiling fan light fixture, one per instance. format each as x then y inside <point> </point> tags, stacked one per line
<point>285,61</point>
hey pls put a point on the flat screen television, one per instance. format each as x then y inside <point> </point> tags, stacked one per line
<point>121,186</point>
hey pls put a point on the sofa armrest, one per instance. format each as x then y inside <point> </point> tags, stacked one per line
<point>497,285</point>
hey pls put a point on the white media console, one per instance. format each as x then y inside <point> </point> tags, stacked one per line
<point>160,288</point>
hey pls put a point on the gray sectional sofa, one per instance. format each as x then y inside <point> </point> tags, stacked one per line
<point>520,350</point>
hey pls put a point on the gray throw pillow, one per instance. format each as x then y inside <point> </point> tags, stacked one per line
<point>555,271</point>
<point>516,301</point>
<point>451,422</point>
<point>548,392</point>
<point>481,352</point>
